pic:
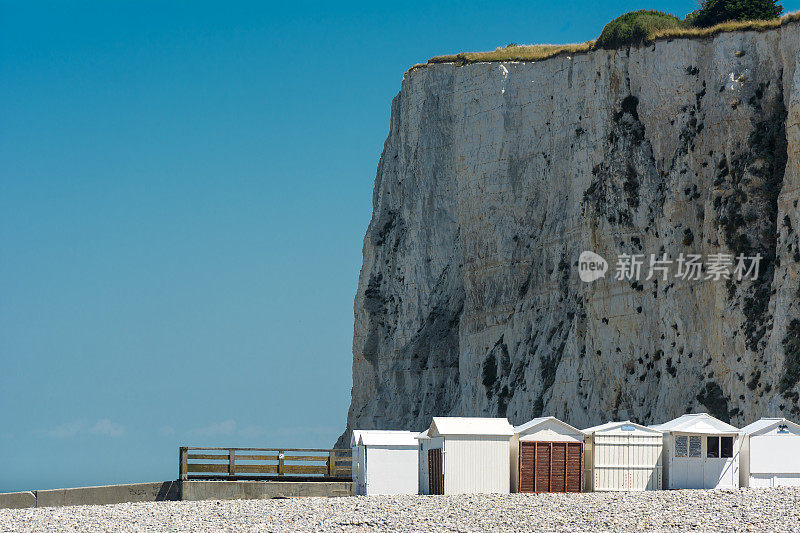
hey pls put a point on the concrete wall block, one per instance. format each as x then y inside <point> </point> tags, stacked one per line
<point>110,494</point>
<point>17,500</point>
<point>260,490</point>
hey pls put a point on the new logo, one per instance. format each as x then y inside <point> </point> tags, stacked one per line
<point>591,266</point>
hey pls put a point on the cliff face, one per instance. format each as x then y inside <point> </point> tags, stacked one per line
<point>496,176</point>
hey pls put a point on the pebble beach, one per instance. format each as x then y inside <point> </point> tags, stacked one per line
<point>696,510</point>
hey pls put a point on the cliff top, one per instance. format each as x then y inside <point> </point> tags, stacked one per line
<point>538,52</point>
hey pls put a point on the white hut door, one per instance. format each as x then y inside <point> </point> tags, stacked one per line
<point>612,462</point>
<point>695,478</point>
<point>714,468</point>
<point>641,470</point>
<point>719,466</point>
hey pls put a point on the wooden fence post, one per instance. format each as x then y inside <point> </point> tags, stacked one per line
<point>182,463</point>
<point>280,462</point>
<point>231,462</point>
<point>332,463</point>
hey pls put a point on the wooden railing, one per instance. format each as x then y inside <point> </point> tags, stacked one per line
<point>264,463</point>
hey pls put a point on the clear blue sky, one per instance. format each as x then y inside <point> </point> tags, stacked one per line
<point>184,189</point>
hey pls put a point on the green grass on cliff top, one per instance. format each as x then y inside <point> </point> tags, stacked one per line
<point>636,27</point>
<point>657,28</point>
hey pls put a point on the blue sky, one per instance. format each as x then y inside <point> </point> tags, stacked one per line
<point>184,189</point>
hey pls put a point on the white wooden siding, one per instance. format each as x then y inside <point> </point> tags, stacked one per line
<point>774,480</point>
<point>627,462</point>
<point>391,470</point>
<point>476,465</point>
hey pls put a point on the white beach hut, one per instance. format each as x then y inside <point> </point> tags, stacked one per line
<point>384,462</point>
<point>623,456</point>
<point>466,455</point>
<point>546,456</point>
<point>770,455</point>
<point>701,452</point>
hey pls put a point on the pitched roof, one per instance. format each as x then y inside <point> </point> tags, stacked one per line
<point>388,438</point>
<point>452,425</point>
<point>766,423</point>
<point>380,437</point>
<point>423,435</point>
<point>696,423</point>
<point>609,426</point>
<point>532,424</point>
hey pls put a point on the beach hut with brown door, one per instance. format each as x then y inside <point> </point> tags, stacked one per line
<point>547,456</point>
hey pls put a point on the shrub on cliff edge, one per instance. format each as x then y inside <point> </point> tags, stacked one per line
<point>713,12</point>
<point>635,27</point>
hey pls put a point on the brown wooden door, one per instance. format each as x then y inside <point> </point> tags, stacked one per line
<point>558,467</point>
<point>527,466</point>
<point>550,466</point>
<point>435,472</point>
<point>574,467</point>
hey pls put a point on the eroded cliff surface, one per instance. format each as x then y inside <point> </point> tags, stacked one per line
<point>496,176</point>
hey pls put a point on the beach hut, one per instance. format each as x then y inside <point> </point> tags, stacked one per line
<point>770,455</point>
<point>700,452</point>
<point>466,455</point>
<point>547,456</point>
<point>623,456</point>
<point>384,462</point>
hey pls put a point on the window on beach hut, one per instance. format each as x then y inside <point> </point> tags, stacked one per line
<point>712,446</point>
<point>719,447</point>
<point>726,447</point>
<point>681,445</point>
<point>695,446</point>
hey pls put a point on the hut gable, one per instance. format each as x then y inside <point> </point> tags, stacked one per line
<point>548,428</point>
<point>621,428</point>
<point>772,426</point>
<point>388,438</point>
<point>700,423</point>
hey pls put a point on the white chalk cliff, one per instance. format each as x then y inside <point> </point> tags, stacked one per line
<point>496,176</point>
